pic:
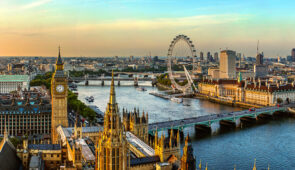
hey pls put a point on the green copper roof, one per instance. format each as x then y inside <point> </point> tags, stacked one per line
<point>13,78</point>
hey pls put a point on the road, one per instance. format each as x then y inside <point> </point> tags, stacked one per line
<point>213,117</point>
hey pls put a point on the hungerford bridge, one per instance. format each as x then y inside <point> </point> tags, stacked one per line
<point>135,77</point>
<point>227,119</point>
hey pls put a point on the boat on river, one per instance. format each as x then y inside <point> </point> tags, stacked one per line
<point>177,100</point>
<point>89,99</point>
<point>140,89</point>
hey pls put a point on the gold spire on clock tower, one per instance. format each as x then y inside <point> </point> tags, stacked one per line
<point>59,63</point>
<point>59,93</point>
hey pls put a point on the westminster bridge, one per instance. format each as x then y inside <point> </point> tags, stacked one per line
<point>231,119</point>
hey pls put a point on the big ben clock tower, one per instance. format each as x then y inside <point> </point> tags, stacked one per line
<point>59,92</point>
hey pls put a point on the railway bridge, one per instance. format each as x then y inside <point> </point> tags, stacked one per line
<point>117,79</point>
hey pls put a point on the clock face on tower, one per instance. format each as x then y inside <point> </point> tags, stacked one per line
<point>60,88</point>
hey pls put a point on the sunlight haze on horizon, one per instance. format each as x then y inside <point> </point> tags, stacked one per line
<point>139,27</point>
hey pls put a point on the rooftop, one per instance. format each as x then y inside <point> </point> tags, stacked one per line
<point>13,78</point>
<point>86,152</point>
<point>144,160</point>
<point>8,157</point>
<point>90,129</point>
<point>45,146</point>
<point>139,144</point>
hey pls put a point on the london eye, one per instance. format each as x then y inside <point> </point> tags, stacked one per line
<point>182,59</point>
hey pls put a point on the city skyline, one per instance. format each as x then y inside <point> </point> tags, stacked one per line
<point>129,27</point>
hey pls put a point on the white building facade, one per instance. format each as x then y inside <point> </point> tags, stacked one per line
<point>10,83</point>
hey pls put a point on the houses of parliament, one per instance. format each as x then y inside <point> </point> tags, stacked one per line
<point>122,143</point>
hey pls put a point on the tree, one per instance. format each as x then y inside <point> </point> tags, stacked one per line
<point>14,141</point>
<point>79,107</point>
<point>279,100</point>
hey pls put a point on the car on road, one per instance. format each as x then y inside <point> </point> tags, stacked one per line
<point>252,109</point>
<point>279,105</point>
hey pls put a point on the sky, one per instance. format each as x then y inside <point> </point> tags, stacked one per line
<point>142,27</point>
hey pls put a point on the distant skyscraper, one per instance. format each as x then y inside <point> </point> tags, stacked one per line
<point>293,54</point>
<point>201,56</point>
<point>259,56</point>
<point>208,56</point>
<point>243,58</point>
<point>239,56</point>
<point>289,58</point>
<point>216,56</point>
<point>227,64</point>
<point>279,59</point>
<point>259,59</point>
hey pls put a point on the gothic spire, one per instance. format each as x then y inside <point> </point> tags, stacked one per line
<point>5,132</point>
<point>59,60</point>
<point>112,92</point>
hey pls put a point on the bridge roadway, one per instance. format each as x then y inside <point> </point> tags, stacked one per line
<point>207,120</point>
<point>109,78</point>
<point>139,73</point>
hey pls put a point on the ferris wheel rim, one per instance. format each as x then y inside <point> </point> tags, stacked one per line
<point>169,55</point>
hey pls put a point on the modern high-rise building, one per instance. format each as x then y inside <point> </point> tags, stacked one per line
<point>260,69</point>
<point>279,59</point>
<point>208,56</point>
<point>259,59</point>
<point>293,54</point>
<point>227,64</point>
<point>201,56</point>
<point>216,56</point>
<point>239,57</point>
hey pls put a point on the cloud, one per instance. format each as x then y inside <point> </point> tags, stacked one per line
<point>163,23</point>
<point>35,4</point>
<point>139,25</point>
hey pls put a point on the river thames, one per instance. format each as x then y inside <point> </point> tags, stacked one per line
<point>269,143</point>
